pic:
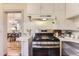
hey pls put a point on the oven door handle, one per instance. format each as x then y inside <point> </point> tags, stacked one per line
<point>35,46</point>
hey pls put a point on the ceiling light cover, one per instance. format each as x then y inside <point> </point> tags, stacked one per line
<point>44,19</point>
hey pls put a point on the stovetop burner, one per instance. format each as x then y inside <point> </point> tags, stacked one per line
<point>45,37</point>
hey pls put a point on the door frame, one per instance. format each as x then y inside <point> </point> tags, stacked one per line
<point>5,24</point>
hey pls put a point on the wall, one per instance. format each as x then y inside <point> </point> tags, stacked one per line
<point>45,24</point>
<point>38,25</point>
<point>1,31</point>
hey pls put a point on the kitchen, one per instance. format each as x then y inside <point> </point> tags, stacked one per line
<point>45,29</point>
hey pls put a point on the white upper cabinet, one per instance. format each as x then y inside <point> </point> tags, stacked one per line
<point>59,9</point>
<point>40,8</point>
<point>33,8</point>
<point>46,9</point>
<point>72,10</point>
<point>60,13</point>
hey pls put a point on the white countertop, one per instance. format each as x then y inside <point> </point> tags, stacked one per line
<point>24,38</point>
<point>69,39</point>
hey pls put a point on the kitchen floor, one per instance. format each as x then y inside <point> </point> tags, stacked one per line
<point>13,48</point>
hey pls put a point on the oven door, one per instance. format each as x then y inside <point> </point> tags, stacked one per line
<point>46,48</point>
<point>46,52</point>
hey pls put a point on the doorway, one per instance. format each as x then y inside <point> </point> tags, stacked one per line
<point>14,32</point>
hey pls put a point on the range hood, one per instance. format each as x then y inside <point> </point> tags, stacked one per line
<point>41,17</point>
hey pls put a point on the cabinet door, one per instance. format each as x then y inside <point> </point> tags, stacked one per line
<point>33,8</point>
<point>76,23</point>
<point>70,49</point>
<point>60,15</point>
<point>72,9</point>
<point>47,8</point>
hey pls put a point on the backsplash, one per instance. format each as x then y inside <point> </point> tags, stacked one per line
<point>76,34</point>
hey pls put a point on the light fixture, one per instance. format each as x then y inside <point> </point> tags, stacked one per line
<point>13,28</point>
<point>10,21</point>
<point>44,19</point>
<point>13,21</point>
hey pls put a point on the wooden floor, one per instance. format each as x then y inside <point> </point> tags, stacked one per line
<point>13,48</point>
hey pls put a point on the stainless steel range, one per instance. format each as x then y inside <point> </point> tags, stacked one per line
<point>45,44</point>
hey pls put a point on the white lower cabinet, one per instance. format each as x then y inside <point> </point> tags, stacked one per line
<point>24,48</point>
<point>70,49</point>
